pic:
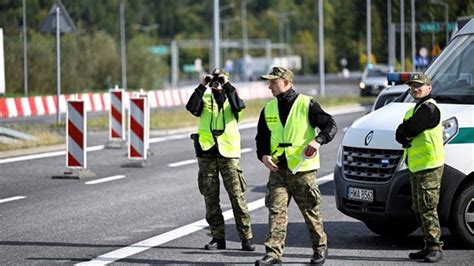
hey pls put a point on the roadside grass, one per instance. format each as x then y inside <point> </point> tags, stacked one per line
<point>160,119</point>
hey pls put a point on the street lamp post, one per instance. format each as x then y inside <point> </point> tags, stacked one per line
<point>402,35</point>
<point>245,45</point>
<point>369,32</point>
<point>216,38</point>
<point>25,52</point>
<point>413,38</point>
<point>123,54</point>
<point>321,49</point>
<point>446,16</point>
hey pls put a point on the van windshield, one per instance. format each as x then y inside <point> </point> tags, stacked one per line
<point>452,73</point>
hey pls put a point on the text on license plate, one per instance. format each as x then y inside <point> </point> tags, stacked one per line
<point>360,194</point>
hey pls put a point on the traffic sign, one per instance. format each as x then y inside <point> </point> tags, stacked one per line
<point>159,49</point>
<point>65,22</point>
<point>189,68</point>
<point>430,27</point>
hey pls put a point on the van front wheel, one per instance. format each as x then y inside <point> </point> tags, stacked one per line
<point>391,230</point>
<point>461,223</point>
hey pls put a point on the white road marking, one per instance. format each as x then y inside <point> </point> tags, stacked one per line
<point>191,161</point>
<point>105,179</point>
<point>181,163</point>
<point>12,199</point>
<point>173,234</point>
<point>152,140</point>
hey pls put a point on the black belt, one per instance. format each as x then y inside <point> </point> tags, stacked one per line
<point>284,145</point>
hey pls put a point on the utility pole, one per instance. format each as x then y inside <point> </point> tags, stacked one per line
<point>216,34</point>
<point>58,65</point>
<point>389,32</point>
<point>413,40</point>
<point>369,33</point>
<point>245,45</point>
<point>402,35</point>
<point>321,49</point>
<point>123,54</point>
<point>25,52</point>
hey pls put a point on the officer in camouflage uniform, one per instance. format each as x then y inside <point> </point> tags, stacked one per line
<point>217,147</point>
<point>287,129</point>
<point>421,134</point>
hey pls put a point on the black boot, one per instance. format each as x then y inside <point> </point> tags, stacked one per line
<point>319,257</point>
<point>267,260</point>
<point>215,244</point>
<point>418,255</point>
<point>434,256</point>
<point>247,245</point>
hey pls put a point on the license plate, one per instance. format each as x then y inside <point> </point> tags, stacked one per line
<point>360,194</point>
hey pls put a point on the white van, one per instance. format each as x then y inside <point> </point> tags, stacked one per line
<point>371,179</point>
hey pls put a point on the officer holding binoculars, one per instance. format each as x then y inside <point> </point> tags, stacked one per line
<point>217,146</point>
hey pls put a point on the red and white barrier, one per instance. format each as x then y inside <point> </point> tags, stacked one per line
<point>76,141</point>
<point>116,115</point>
<point>76,128</point>
<point>137,131</point>
<point>95,102</point>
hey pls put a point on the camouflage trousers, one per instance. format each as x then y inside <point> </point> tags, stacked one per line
<point>281,187</point>
<point>234,183</point>
<point>425,187</point>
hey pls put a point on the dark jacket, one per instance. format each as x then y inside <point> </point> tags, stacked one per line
<point>196,104</point>
<point>426,116</point>
<point>316,115</point>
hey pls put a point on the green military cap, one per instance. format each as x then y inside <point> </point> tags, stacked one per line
<point>279,73</point>
<point>419,78</point>
<point>220,71</point>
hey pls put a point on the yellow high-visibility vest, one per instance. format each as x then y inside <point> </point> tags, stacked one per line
<point>426,150</point>
<point>293,137</point>
<point>222,122</point>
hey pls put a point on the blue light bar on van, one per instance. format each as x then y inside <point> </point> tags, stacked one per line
<point>399,77</point>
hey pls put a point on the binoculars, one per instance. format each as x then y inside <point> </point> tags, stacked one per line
<point>214,81</point>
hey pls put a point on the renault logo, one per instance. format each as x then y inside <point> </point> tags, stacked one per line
<point>369,137</point>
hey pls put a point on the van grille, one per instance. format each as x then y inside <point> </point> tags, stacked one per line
<point>375,207</point>
<point>370,165</point>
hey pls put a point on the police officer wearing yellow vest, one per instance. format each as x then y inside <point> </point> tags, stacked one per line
<point>217,147</point>
<point>421,134</point>
<point>287,129</point>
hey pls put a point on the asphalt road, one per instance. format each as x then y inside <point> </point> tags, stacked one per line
<point>153,215</point>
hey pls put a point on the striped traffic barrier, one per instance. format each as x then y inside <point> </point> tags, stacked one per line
<point>137,132</point>
<point>116,119</point>
<point>76,141</point>
<point>144,94</point>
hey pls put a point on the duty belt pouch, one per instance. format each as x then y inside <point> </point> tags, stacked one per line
<point>197,146</point>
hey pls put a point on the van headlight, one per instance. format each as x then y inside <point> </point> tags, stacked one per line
<point>339,156</point>
<point>362,85</point>
<point>450,129</point>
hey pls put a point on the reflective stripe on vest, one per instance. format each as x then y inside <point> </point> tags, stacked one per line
<point>426,150</point>
<point>292,138</point>
<point>211,117</point>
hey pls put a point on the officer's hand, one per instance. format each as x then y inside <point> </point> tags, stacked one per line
<point>267,161</point>
<point>223,79</point>
<point>206,79</point>
<point>311,148</point>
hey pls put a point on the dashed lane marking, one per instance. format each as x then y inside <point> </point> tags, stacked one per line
<point>12,199</point>
<point>105,179</point>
